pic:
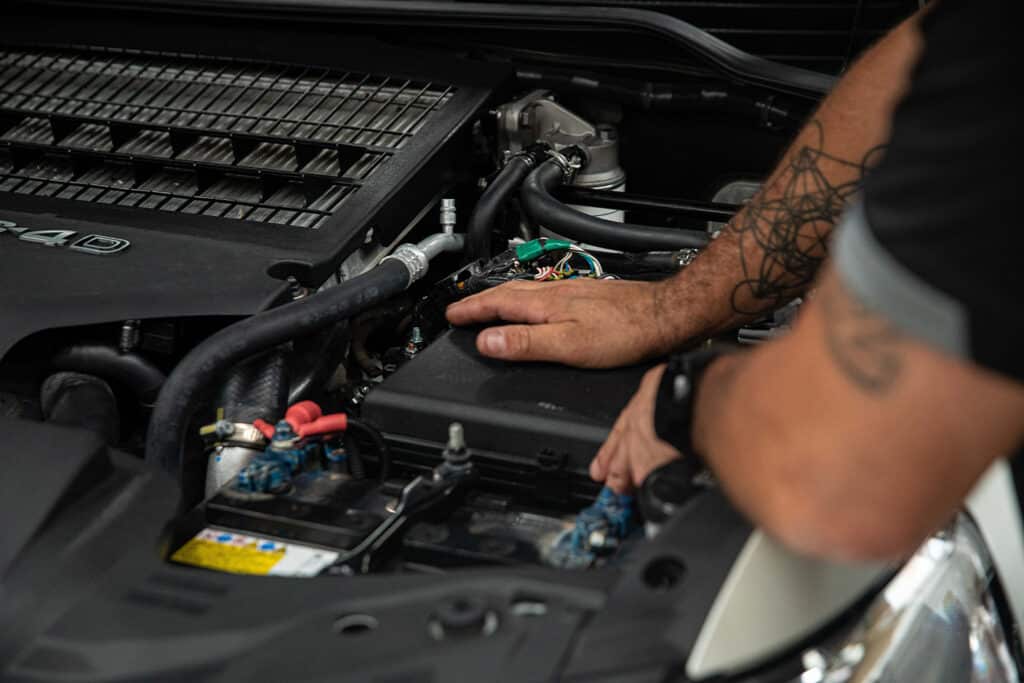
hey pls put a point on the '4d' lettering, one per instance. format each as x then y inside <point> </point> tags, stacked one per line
<point>96,245</point>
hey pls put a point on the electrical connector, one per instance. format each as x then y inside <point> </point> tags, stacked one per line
<point>534,249</point>
<point>599,530</point>
<point>293,441</point>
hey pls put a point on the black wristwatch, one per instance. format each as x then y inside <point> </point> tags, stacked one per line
<point>673,410</point>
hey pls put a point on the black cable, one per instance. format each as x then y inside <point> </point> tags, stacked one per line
<point>488,208</point>
<point>356,466</point>
<point>650,96</point>
<point>564,220</point>
<point>182,392</point>
<point>379,445</point>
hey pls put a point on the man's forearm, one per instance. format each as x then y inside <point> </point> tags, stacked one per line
<point>771,250</point>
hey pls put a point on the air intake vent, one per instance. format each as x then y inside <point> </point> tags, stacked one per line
<point>256,142</point>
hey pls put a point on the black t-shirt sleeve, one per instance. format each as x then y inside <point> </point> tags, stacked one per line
<point>935,243</point>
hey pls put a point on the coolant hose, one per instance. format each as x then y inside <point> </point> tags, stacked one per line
<point>256,389</point>
<point>127,369</point>
<point>542,206</point>
<point>184,389</point>
<point>488,208</point>
<point>85,401</point>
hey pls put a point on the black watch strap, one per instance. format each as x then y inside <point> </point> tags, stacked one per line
<point>673,410</point>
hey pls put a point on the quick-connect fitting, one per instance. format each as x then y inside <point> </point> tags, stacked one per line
<point>448,216</point>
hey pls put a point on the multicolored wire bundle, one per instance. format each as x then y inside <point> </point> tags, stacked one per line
<point>564,270</point>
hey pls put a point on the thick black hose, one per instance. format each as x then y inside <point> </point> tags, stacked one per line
<point>627,201</point>
<point>77,400</point>
<point>255,389</point>
<point>183,390</point>
<point>488,208</point>
<point>564,220</point>
<point>317,373</point>
<point>128,369</point>
<point>646,262</point>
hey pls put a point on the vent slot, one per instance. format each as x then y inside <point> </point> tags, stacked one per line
<point>257,142</point>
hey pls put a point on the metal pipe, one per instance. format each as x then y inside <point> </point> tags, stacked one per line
<point>437,244</point>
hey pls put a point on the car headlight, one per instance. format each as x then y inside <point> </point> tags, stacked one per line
<point>935,621</point>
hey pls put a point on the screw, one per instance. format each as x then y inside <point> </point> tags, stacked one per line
<point>129,336</point>
<point>296,290</point>
<point>415,344</point>
<point>224,429</point>
<point>455,454</point>
<point>456,437</point>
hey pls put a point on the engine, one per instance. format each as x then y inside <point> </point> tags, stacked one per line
<point>234,261</point>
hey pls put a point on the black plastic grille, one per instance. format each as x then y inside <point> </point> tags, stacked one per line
<point>267,143</point>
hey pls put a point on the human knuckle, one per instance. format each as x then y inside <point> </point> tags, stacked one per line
<point>519,339</point>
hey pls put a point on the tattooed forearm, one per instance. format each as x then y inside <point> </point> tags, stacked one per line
<point>782,233</point>
<point>867,348</point>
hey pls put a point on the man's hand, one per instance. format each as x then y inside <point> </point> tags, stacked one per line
<point>586,323</point>
<point>633,450</point>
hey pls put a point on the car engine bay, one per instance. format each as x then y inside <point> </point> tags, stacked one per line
<point>227,260</point>
<point>301,179</point>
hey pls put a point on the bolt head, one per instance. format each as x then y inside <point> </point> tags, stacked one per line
<point>223,428</point>
<point>597,539</point>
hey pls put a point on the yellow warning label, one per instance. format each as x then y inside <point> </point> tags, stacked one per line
<point>247,558</point>
<point>230,551</point>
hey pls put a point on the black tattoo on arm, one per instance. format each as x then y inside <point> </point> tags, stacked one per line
<point>782,237</point>
<point>866,346</point>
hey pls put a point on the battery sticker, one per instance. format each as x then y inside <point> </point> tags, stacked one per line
<point>229,551</point>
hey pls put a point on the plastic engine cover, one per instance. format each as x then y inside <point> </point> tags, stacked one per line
<point>518,409</point>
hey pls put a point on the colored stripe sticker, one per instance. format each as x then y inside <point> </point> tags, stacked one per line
<point>230,551</point>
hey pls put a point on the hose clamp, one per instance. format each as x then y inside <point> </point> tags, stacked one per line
<point>526,157</point>
<point>569,165</point>
<point>243,434</point>
<point>532,155</point>
<point>413,258</point>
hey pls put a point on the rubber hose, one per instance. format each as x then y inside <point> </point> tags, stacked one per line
<point>564,220</point>
<point>258,388</point>
<point>318,374</point>
<point>129,369</point>
<point>645,262</point>
<point>488,207</point>
<point>85,401</point>
<point>183,390</point>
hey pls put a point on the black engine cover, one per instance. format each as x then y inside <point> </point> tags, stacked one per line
<point>182,167</point>
<point>512,409</point>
